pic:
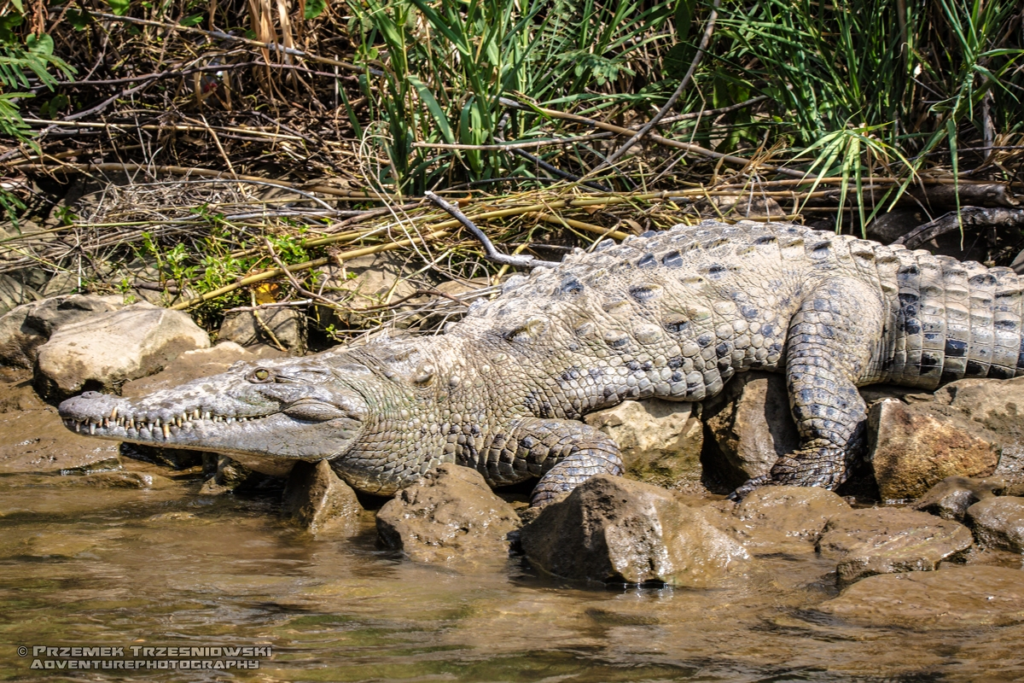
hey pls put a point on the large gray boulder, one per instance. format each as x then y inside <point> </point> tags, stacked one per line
<point>660,440</point>
<point>105,351</point>
<point>24,329</point>
<point>450,516</point>
<point>611,529</point>
<point>889,540</point>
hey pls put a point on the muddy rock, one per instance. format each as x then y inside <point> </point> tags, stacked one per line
<point>783,519</point>
<point>105,351</point>
<point>230,475</point>
<point>284,326</point>
<point>888,541</point>
<point>913,447</point>
<point>951,497</point>
<point>748,426</point>
<point>660,440</point>
<point>450,516</point>
<point>37,441</point>
<point>319,501</point>
<point>955,598</point>
<point>27,327</point>
<point>998,523</point>
<point>118,479</point>
<point>612,529</point>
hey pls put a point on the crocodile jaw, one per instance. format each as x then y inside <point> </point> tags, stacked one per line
<point>267,427</point>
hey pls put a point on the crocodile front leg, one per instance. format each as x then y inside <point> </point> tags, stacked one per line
<point>565,452</point>
<point>829,350</point>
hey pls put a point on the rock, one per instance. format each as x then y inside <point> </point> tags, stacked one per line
<point>105,351</point>
<point>951,497</point>
<point>748,426</point>
<point>27,327</point>
<point>612,529</point>
<point>366,282</point>
<point>998,523</point>
<point>660,441</point>
<point>956,598</point>
<point>320,501</point>
<point>888,540</point>
<point>287,325</point>
<point>13,293</point>
<point>19,396</point>
<point>449,516</point>
<point>783,519</point>
<point>995,409</point>
<point>230,475</point>
<point>36,441</point>
<point>913,447</point>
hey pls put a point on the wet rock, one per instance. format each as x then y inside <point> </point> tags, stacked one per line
<point>998,523</point>
<point>888,541</point>
<point>230,475</point>
<point>320,501</point>
<point>660,441</point>
<point>951,497</point>
<point>913,447</point>
<point>14,293</point>
<point>36,441</point>
<point>19,395</point>
<point>612,529</point>
<point>284,326</point>
<point>27,327</point>
<point>106,350</point>
<point>748,426</point>
<point>783,519</point>
<point>449,516</point>
<point>955,598</point>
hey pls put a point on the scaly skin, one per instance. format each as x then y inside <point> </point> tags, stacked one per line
<point>671,315</point>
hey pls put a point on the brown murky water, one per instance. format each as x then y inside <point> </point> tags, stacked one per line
<point>94,567</point>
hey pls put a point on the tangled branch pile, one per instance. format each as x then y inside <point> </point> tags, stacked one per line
<point>186,148</point>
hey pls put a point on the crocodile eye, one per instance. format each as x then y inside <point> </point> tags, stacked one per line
<point>260,375</point>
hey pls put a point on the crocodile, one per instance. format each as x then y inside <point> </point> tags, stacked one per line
<point>671,315</point>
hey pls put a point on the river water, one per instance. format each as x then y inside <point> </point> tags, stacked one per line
<point>120,567</point>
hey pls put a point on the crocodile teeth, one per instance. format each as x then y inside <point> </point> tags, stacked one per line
<point>206,415</point>
<point>167,432</point>
<point>92,428</point>
<point>195,414</point>
<point>113,413</point>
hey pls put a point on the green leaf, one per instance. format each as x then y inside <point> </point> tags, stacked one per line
<point>314,8</point>
<point>119,7</point>
<point>18,6</point>
<point>193,20</point>
<point>435,109</point>
<point>79,20</point>
<point>683,19</point>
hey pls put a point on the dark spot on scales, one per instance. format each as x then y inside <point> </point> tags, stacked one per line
<point>929,363</point>
<point>570,285</point>
<point>715,270</point>
<point>958,349</point>
<point>982,280</point>
<point>644,292</point>
<point>649,233</point>
<point>998,372</point>
<point>975,369</point>
<point>672,260</point>
<point>604,244</point>
<point>675,363</point>
<point>646,262</point>
<point>705,340</point>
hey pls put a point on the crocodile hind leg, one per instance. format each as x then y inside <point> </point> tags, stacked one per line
<point>829,350</point>
<point>565,452</point>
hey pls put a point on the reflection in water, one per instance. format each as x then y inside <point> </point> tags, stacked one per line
<point>95,567</point>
